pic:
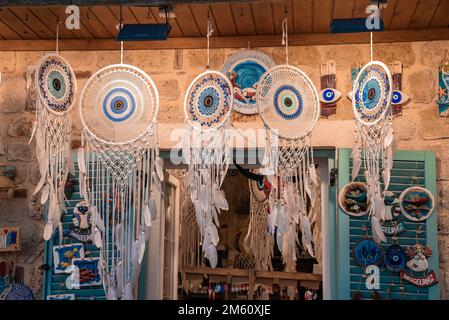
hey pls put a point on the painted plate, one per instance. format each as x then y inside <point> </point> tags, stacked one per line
<point>373,90</point>
<point>288,102</point>
<point>119,104</point>
<point>209,99</point>
<point>55,83</point>
<point>416,203</point>
<point>353,199</point>
<point>367,252</point>
<point>244,69</point>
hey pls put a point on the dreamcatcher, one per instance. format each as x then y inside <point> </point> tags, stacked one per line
<point>119,169</point>
<point>53,93</point>
<point>374,137</point>
<point>207,105</point>
<point>289,107</point>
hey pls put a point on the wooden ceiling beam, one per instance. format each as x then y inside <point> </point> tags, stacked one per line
<point>24,3</point>
<point>229,42</point>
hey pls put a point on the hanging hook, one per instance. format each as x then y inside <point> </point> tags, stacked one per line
<point>149,14</point>
<point>210,31</point>
<point>57,35</point>
<point>285,34</point>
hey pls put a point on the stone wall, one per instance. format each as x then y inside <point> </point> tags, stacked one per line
<point>419,128</point>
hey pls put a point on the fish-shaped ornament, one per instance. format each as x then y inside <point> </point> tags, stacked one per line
<point>398,98</point>
<point>443,90</point>
<point>328,95</point>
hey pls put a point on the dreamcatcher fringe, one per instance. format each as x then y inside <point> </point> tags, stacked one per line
<point>118,182</point>
<point>290,170</point>
<point>374,149</point>
<point>52,133</point>
<point>207,153</point>
<point>261,242</point>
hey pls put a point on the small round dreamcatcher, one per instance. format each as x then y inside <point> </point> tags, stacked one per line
<point>119,168</point>
<point>417,203</point>
<point>55,83</point>
<point>53,91</point>
<point>206,149</point>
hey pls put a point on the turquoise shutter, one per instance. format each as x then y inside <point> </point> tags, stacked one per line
<point>347,229</point>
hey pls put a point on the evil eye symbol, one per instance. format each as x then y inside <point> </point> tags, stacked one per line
<point>399,97</point>
<point>329,95</point>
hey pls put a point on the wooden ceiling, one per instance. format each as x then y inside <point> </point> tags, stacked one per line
<point>255,21</point>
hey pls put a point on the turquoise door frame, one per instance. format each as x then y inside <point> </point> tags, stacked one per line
<point>342,230</point>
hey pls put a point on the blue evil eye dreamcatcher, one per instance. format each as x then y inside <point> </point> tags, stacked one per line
<point>395,258</point>
<point>329,95</point>
<point>244,69</point>
<point>119,103</point>
<point>209,100</point>
<point>288,102</point>
<point>367,252</point>
<point>55,83</point>
<point>372,93</point>
<point>399,97</point>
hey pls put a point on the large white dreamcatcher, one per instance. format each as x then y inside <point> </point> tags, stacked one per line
<point>289,106</point>
<point>119,169</point>
<point>206,149</point>
<point>374,137</point>
<point>53,93</point>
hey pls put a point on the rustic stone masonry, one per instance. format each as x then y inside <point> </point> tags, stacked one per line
<point>419,128</point>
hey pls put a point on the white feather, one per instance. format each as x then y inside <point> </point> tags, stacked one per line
<point>220,200</point>
<point>159,166</point>
<point>112,293</point>
<point>388,140</point>
<point>312,174</point>
<point>379,206</point>
<point>141,247</point>
<point>81,161</point>
<point>128,293</point>
<point>356,162</point>
<point>48,231</point>
<point>33,131</point>
<point>146,215</point>
<point>213,233</point>
<point>97,238</point>
<point>211,255</point>
<point>378,234</point>
<point>45,193</point>
<point>153,208</point>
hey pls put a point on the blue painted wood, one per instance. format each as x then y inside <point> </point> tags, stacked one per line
<point>407,164</point>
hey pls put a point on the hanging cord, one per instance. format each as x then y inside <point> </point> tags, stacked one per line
<point>285,34</point>
<point>371,45</point>
<point>210,31</point>
<point>121,42</point>
<point>57,36</point>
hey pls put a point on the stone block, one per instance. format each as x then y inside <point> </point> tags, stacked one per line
<point>168,89</point>
<point>13,94</point>
<point>8,62</point>
<point>19,151</point>
<point>421,86</point>
<point>20,127</point>
<point>388,53</point>
<point>197,58</point>
<point>433,53</point>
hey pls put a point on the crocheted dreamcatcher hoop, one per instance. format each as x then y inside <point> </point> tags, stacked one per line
<point>119,169</point>
<point>374,138</point>
<point>53,92</point>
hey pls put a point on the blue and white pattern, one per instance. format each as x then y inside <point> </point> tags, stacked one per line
<point>288,102</point>
<point>372,93</point>
<point>56,83</point>
<point>244,69</point>
<point>209,100</point>
<point>119,104</point>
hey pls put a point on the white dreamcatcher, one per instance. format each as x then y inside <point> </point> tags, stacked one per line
<point>206,149</point>
<point>119,169</point>
<point>374,137</point>
<point>53,91</point>
<point>289,106</point>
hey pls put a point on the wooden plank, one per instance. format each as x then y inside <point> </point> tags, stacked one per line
<point>175,31</point>
<point>82,32</point>
<point>15,23</point>
<point>279,15</point>
<point>64,33</point>
<point>404,12</point>
<point>230,42</point>
<point>441,17</point>
<point>200,13</point>
<point>302,16</point>
<point>299,276</point>
<point>343,9</point>
<point>127,14</point>
<point>95,26</point>
<point>142,14</point>
<point>244,19</point>
<point>186,21</point>
<point>23,3</point>
<point>106,17</point>
<point>388,12</point>
<point>322,11</point>
<point>34,23</point>
<point>216,271</point>
<point>360,9</point>
<point>424,14</point>
<point>7,33</point>
<point>224,20</point>
<point>263,18</point>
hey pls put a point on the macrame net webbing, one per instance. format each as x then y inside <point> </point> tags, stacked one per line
<point>120,170</point>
